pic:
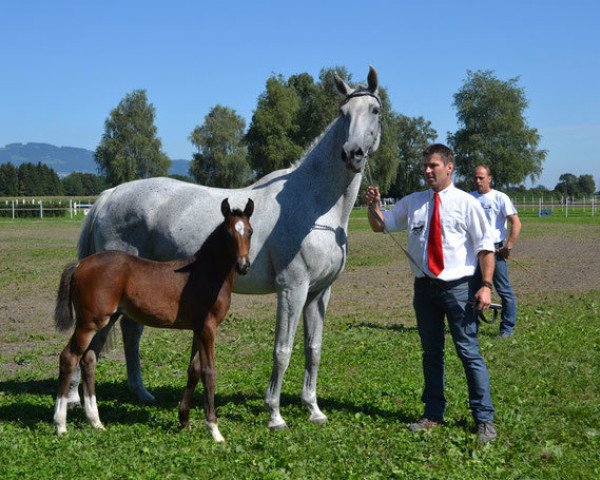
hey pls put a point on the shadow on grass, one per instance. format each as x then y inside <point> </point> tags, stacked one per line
<point>117,404</point>
<point>383,326</point>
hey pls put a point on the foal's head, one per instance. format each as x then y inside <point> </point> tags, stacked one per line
<point>239,232</point>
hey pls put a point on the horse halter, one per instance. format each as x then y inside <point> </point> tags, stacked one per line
<point>362,93</point>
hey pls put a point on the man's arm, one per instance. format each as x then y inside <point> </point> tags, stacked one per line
<point>372,198</point>
<point>483,297</point>
<point>515,230</point>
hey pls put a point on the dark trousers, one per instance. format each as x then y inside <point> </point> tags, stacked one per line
<point>432,302</point>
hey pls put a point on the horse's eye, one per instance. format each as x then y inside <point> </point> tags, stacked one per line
<point>376,110</point>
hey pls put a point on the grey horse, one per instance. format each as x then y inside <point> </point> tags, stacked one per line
<point>299,247</point>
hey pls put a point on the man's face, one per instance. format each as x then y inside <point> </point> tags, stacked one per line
<point>482,180</point>
<point>437,175</point>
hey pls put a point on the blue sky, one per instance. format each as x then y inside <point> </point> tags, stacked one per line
<point>66,64</point>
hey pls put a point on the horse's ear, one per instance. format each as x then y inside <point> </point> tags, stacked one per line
<point>225,208</point>
<point>249,208</point>
<point>342,86</point>
<point>373,80</point>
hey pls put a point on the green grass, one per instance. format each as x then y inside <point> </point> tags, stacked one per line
<point>544,380</point>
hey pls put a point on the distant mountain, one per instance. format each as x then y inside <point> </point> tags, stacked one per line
<point>65,160</point>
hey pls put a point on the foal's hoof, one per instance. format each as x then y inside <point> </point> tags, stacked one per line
<point>185,426</point>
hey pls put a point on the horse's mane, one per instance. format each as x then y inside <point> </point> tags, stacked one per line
<point>313,144</point>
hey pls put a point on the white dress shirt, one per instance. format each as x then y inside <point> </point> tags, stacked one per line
<point>465,230</point>
<point>497,206</point>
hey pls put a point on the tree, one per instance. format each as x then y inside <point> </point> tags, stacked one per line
<point>274,126</point>
<point>78,184</point>
<point>587,185</point>
<point>9,180</point>
<point>129,148</point>
<point>221,159</point>
<point>493,130</point>
<point>413,135</point>
<point>567,185</point>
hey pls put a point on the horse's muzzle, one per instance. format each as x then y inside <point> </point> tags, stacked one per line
<point>242,266</point>
<point>353,157</point>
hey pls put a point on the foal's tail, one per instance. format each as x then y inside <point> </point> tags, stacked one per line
<point>63,312</point>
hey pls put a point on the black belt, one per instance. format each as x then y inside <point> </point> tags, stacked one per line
<point>443,284</point>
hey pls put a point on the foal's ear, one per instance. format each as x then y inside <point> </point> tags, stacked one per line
<point>249,208</point>
<point>225,208</point>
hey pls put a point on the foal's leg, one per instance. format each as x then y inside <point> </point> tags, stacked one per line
<point>290,301</point>
<point>88,369</point>
<point>69,359</point>
<point>314,313</point>
<point>188,393</point>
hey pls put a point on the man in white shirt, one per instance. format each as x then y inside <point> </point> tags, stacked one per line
<point>499,210</point>
<point>445,244</point>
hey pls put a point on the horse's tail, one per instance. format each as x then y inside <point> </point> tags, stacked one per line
<point>86,245</point>
<point>63,312</point>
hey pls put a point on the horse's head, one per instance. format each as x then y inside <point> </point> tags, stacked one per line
<point>362,112</point>
<point>239,232</point>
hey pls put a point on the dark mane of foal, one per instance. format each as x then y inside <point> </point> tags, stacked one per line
<point>215,242</point>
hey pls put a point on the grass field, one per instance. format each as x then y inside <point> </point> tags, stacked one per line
<point>544,380</point>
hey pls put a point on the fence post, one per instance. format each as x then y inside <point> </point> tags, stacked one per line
<point>13,209</point>
<point>70,208</point>
<point>41,210</point>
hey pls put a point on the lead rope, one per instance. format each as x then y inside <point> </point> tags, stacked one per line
<point>493,306</point>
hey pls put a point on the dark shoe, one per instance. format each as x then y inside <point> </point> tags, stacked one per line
<point>424,424</point>
<point>486,432</point>
<point>505,335</point>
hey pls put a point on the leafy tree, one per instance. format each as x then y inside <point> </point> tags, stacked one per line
<point>413,135</point>
<point>493,130</point>
<point>567,185</point>
<point>129,148</point>
<point>587,185</point>
<point>77,184</point>
<point>9,180</point>
<point>221,159</point>
<point>274,126</point>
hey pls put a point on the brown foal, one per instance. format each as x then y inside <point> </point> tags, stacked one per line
<point>193,294</point>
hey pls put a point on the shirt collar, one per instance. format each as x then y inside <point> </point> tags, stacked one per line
<point>444,191</point>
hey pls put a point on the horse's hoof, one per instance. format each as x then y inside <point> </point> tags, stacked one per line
<point>60,431</point>
<point>278,426</point>
<point>143,395</point>
<point>318,420</point>
<point>185,426</point>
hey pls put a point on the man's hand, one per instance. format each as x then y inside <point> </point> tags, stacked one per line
<point>504,252</point>
<point>372,196</point>
<point>483,298</point>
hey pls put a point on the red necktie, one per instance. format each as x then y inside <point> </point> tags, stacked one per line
<point>435,254</point>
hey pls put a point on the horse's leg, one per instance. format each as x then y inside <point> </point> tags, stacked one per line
<point>132,333</point>
<point>69,359</point>
<point>314,313</point>
<point>88,369</point>
<point>193,378</point>
<point>289,307</point>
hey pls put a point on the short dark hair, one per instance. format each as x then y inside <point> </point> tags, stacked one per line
<point>442,150</point>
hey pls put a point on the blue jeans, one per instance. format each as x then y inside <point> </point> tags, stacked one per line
<point>508,316</point>
<point>432,302</point>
